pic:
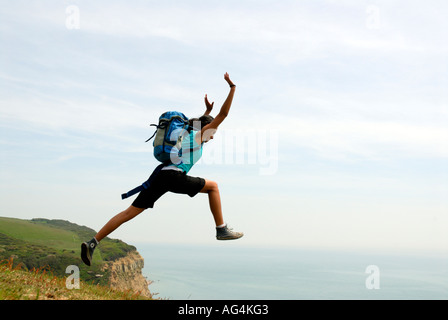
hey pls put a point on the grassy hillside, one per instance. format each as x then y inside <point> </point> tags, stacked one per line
<point>41,243</point>
<point>19,284</point>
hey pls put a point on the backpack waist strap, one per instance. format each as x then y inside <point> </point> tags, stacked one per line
<point>144,185</point>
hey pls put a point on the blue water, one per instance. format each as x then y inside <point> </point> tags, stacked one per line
<point>242,273</point>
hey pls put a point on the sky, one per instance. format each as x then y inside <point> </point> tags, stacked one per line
<point>337,136</point>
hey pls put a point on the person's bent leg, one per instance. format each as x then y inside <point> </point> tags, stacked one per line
<point>214,198</point>
<point>223,232</point>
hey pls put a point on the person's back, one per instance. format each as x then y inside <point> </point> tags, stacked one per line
<point>190,152</point>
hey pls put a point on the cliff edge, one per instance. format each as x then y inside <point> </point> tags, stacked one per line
<point>126,274</point>
<point>55,244</point>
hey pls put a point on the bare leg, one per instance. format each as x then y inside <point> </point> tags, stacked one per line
<point>117,221</point>
<point>214,198</point>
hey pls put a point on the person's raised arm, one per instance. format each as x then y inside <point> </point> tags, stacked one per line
<point>208,105</point>
<point>209,129</point>
<point>226,106</point>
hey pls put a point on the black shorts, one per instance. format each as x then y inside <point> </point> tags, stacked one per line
<point>168,180</point>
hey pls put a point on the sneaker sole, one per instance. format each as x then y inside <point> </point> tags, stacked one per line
<point>84,256</point>
<point>229,238</point>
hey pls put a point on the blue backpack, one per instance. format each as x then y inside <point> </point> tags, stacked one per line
<point>168,136</point>
<point>172,127</point>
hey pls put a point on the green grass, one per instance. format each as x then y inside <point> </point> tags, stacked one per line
<point>39,284</point>
<point>39,233</point>
<point>34,255</point>
<point>39,243</point>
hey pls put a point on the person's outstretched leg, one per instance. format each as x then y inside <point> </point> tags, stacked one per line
<point>117,221</point>
<point>222,230</point>
<point>87,248</point>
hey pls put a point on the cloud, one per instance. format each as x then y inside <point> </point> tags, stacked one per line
<point>289,31</point>
<point>371,140</point>
<point>349,98</point>
<point>347,87</point>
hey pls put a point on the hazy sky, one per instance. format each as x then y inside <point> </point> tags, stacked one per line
<point>337,137</point>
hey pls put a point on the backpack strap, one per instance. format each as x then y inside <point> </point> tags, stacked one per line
<point>144,185</point>
<point>157,127</point>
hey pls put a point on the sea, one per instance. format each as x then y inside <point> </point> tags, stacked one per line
<point>200,272</point>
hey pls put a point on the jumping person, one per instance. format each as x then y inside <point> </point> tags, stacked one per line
<point>174,178</point>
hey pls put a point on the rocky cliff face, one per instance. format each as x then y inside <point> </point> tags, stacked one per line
<point>126,274</point>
